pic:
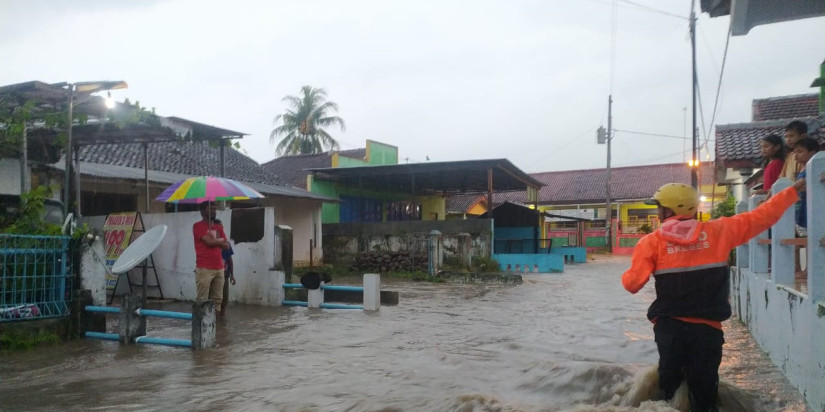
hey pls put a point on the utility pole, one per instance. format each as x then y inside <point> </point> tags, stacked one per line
<point>608,206</point>
<point>694,161</point>
<point>605,136</point>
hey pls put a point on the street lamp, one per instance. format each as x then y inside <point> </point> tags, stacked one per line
<point>86,88</point>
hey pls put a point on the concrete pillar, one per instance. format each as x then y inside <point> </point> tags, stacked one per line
<point>276,294</point>
<point>315,297</point>
<point>203,324</point>
<point>372,291</point>
<point>815,197</point>
<point>283,234</point>
<point>742,251</point>
<point>93,270</point>
<point>465,250</point>
<point>435,252</point>
<point>86,321</point>
<point>129,324</point>
<point>782,256</point>
<point>758,253</point>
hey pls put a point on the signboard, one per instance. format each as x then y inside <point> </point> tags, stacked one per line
<point>117,231</point>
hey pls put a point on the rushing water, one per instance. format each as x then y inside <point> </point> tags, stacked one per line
<point>570,341</point>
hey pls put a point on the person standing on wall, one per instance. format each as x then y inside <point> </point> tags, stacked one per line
<point>689,262</point>
<point>210,240</point>
<point>229,275</point>
<point>794,132</point>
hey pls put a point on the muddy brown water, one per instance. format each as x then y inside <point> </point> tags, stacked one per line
<point>570,341</point>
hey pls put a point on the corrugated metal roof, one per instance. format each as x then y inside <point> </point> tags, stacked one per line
<point>155,176</point>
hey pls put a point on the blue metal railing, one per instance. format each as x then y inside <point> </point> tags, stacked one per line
<point>35,277</point>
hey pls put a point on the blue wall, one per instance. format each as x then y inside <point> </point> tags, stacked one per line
<point>546,262</point>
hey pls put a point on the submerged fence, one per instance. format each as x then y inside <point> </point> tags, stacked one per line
<point>35,277</point>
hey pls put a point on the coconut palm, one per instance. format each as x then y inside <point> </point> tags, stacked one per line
<point>302,126</point>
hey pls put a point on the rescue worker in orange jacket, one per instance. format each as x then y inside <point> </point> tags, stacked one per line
<point>689,262</point>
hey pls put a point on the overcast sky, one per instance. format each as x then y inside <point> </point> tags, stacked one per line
<point>453,80</point>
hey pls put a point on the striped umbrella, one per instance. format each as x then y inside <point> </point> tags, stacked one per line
<point>207,188</point>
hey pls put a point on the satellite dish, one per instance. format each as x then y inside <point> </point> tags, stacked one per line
<point>139,250</point>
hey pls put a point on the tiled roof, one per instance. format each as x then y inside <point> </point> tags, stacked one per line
<point>740,141</point>
<point>462,203</point>
<point>786,107</point>
<point>737,145</point>
<point>588,186</point>
<point>187,158</point>
<point>291,168</point>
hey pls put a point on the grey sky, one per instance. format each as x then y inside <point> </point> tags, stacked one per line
<point>452,80</point>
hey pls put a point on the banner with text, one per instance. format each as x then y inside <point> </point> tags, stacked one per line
<point>117,231</point>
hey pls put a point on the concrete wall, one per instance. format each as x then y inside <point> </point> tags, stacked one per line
<point>10,172</point>
<point>786,314</point>
<point>302,215</point>
<point>175,259</point>
<point>342,241</point>
<point>788,326</point>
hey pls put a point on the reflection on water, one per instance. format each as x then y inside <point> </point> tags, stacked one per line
<point>573,341</point>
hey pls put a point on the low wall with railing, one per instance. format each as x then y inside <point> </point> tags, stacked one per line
<point>784,309</point>
<point>35,277</point>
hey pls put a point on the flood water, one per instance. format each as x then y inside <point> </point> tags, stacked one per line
<point>570,341</point>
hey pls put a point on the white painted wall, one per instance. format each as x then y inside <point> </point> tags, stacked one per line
<point>304,217</point>
<point>175,259</point>
<point>790,328</point>
<point>788,324</point>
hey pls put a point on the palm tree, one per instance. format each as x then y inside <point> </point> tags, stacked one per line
<point>302,126</point>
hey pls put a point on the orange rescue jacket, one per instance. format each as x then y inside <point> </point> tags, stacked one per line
<point>689,261</point>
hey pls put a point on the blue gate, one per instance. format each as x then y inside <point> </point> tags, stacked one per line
<point>35,277</point>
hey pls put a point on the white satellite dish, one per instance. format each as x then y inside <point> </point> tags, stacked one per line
<point>139,250</point>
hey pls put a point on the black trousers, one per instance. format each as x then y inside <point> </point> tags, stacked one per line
<point>692,352</point>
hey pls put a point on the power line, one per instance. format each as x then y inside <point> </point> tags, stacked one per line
<point>718,87</point>
<point>654,10</point>
<point>651,134</point>
<point>565,144</point>
<point>642,7</point>
<point>659,157</point>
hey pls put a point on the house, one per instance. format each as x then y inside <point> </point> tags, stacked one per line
<point>738,156</point>
<point>571,198</point>
<point>124,157</point>
<point>296,169</point>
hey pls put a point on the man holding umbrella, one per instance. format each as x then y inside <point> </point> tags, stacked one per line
<point>210,240</point>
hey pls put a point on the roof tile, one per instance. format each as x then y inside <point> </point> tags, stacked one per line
<point>188,158</point>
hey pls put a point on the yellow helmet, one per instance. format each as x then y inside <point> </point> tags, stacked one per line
<point>680,198</point>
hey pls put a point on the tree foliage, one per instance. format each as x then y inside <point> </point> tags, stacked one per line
<point>303,125</point>
<point>724,208</point>
<point>29,219</point>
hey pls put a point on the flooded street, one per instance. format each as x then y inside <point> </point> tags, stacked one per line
<point>569,341</point>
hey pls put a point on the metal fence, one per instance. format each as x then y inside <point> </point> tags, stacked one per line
<point>35,277</point>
